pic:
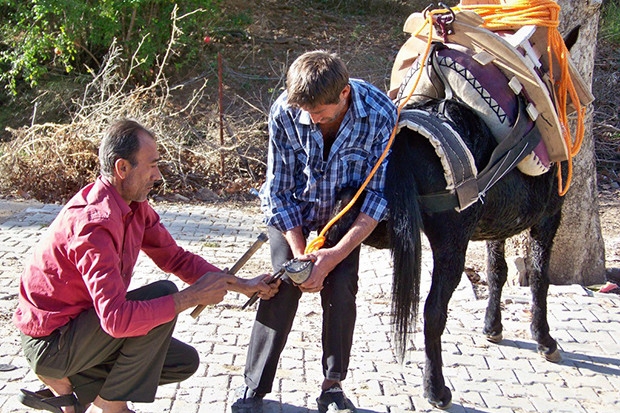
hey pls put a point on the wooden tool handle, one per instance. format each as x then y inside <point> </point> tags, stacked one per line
<point>262,238</point>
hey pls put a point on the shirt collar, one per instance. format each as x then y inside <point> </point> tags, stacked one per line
<point>108,187</point>
<point>358,97</point>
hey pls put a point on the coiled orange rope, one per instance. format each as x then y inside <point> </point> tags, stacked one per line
<point>543,13</point>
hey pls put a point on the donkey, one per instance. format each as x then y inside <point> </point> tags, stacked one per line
<point>516,203</point>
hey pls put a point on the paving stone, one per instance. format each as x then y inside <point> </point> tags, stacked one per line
<point>484,377</point>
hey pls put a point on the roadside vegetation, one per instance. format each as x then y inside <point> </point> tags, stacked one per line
<point>70,68</point>
<point>202,75</point>
<point>605,88</point>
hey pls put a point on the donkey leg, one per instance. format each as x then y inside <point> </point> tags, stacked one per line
<point>448,265</point>
<point>537,262</point>
<point>435,316</point>
<point>497,274</point>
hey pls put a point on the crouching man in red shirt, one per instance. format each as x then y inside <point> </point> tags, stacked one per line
<point>85,336</point>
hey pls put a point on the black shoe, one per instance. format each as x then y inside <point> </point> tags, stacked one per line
<point>333,400</point>
<point>46,400</point>
<point>248,401</point>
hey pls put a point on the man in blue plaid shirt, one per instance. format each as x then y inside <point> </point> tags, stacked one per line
<point>326,133</point>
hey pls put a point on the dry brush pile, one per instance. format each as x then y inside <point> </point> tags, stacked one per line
<point>201,157</point>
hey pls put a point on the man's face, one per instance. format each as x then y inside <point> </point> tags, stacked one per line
<point>326,114</point>
<point>137,181</point>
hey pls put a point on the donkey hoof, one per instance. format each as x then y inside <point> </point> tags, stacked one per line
<point>494,338</point>
<point>441,405</point>
<point>554,356</point>
<point>444,402</point>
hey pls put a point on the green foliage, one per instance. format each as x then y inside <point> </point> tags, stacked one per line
<point>609,25</point>
<point>39,36</point>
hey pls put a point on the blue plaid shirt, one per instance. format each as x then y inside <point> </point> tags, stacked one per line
<point>300,187</point>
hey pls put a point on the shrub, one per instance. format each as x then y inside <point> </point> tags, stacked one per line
<point>609,25</point>
<point>51,161</point>
<point>38,36</point>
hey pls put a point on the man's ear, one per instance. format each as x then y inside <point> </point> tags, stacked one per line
<point>122,167</point>
<point>345,92</point>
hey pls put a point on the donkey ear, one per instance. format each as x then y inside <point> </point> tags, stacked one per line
<point>571,38</point>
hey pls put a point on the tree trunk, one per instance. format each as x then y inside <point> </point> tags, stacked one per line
<point>578,255</point>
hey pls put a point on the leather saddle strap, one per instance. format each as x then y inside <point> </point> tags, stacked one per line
<point>506,155</point>
<point>509,152</point>
<point>456,159</point>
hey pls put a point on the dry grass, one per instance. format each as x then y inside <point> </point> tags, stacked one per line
<point>50,162</point>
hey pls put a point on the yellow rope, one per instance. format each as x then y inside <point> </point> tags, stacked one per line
<point>543,13</point>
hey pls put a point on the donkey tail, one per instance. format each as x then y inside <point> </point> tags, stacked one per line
<point>401,193</point>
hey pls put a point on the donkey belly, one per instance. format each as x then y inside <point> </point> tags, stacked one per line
<point>514,204</point>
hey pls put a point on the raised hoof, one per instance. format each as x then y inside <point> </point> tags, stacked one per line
<point>494,338</point>
<point>445,402</point>
<point>554,356</point>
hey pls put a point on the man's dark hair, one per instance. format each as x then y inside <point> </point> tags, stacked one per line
<point>120,141</point>
<point>316,78</point>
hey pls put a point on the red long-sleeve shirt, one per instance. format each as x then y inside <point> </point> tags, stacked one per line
<point>86,260</point>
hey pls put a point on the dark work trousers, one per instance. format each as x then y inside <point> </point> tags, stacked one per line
<point>274,320</point>
<point>117,369</point>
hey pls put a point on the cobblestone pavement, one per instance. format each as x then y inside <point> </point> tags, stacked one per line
<point>509,377</point>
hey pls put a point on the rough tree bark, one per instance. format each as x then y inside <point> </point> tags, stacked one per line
<point>579,237</point>
<point>578,255</point>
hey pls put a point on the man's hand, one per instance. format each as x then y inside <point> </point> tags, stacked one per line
<point>213,286</point>
<point>328,258</point>
<point>209,289</point>
<point>258,284</point>
<point>325,260</point>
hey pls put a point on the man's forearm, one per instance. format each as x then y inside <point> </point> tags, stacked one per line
<point>328,258</point>
<point>296,241</point>
<point>359,231</point>
<point>208,289</point>
<point>184,300</point>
